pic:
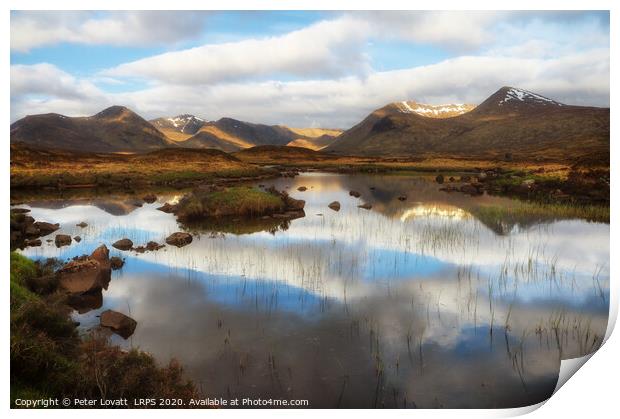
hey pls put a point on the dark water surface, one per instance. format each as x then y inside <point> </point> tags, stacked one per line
<point>409,304</point>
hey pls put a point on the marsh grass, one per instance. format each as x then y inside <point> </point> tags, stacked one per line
<point>526,213</point>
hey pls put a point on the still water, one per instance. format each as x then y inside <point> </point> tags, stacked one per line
<point>413,303</point>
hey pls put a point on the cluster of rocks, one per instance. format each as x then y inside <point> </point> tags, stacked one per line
<point>293,208</point>
<point>25,231</point>
<point>126,244</point>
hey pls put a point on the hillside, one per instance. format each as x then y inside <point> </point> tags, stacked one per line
<point>115,129</point>
<point>511,122</point>
<point>317,143</point>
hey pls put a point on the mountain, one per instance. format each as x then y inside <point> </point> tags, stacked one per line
<point>205,139</point>
<point>515,121</point>
<point>180,127</point>
<point>115,129</point>
<point>229,134</point>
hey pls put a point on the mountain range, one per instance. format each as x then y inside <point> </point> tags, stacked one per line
<point>511,121</point>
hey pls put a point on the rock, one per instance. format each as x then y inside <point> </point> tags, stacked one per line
<point>302,188</point>
<point>32,242</point>
<point>355,194</point>
<point>335,206</point>
<point>62,240</point>
<point>365,206</point>
<point>123,244</point>
<point>150,198</point>
<point>116,263</point>
<point>46,228</point>
<point>86,274</point>
<point>167,208</point>
<point>19,210</point>
<point>402,198</point>
<point>294,204</point>
<point>451,179</point>
<point>101,254</point>
<point>77,239</point>
<point>439,179</point>
<point>121,324</point>
<point>470,189</point>
<point>82,224</point>
<point>465,178</point>
<point>32,231</point>
<point>153,246</point>
<point>179,239</point>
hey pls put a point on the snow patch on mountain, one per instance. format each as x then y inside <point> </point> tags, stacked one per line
<point>434,111</point>
<point>520,95</point>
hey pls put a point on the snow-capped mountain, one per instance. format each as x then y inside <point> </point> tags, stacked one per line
<point>433,111</point>
<point>186,123</point>
<point>520,95</point>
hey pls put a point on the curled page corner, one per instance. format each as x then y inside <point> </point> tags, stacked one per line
<point>568,368</point>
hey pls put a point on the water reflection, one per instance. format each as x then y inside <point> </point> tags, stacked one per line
<point>415,303</point>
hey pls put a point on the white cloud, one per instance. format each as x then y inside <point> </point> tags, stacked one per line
<point>34,29</point>
<point>580,78</point>
<point>329,48</point>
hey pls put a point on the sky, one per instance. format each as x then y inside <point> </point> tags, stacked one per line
<point>299,68</point>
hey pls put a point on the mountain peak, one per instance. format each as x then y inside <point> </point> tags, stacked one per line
<point>114,112</point>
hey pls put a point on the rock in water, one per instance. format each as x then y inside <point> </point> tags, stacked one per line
<point>121,324</point>
<point>179,239</point>
<point>46,228</point>
<point>335,206</point>
<point>82,224</point>
<point>62,240</point>
<point>355,194</point>
<point>87,273</point>
<point>123,244</point>
<point>302,188</point>
<point>365,206</point>
<point>167,208</point>
<point>150,198</point>
<point>116,263</point>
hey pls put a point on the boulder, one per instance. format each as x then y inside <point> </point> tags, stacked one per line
<point>19,210</point>
<point>46,228</point>
<point>82,224</point>
<point>179,239</point>
<point>302,189</point>
<point>402,198</point>
<point>365,206</point>
<point>87,273</point>
<point>439,179</point>
<point>355,194</point>
<point>116,263</point>
<point>294,204</point>
<point>123,244</point>
<point>150,198</point>
<point>121,324</point>
<point>153,246</point>
<point>167,208</point>
<point>77,239</point>
<point>32,242</point>
<point>335,206</point>
<point>62,240</point>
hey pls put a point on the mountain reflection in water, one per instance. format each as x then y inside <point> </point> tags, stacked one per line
<point>414,303</point>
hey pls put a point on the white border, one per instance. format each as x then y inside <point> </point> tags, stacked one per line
<point>591,393</point>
